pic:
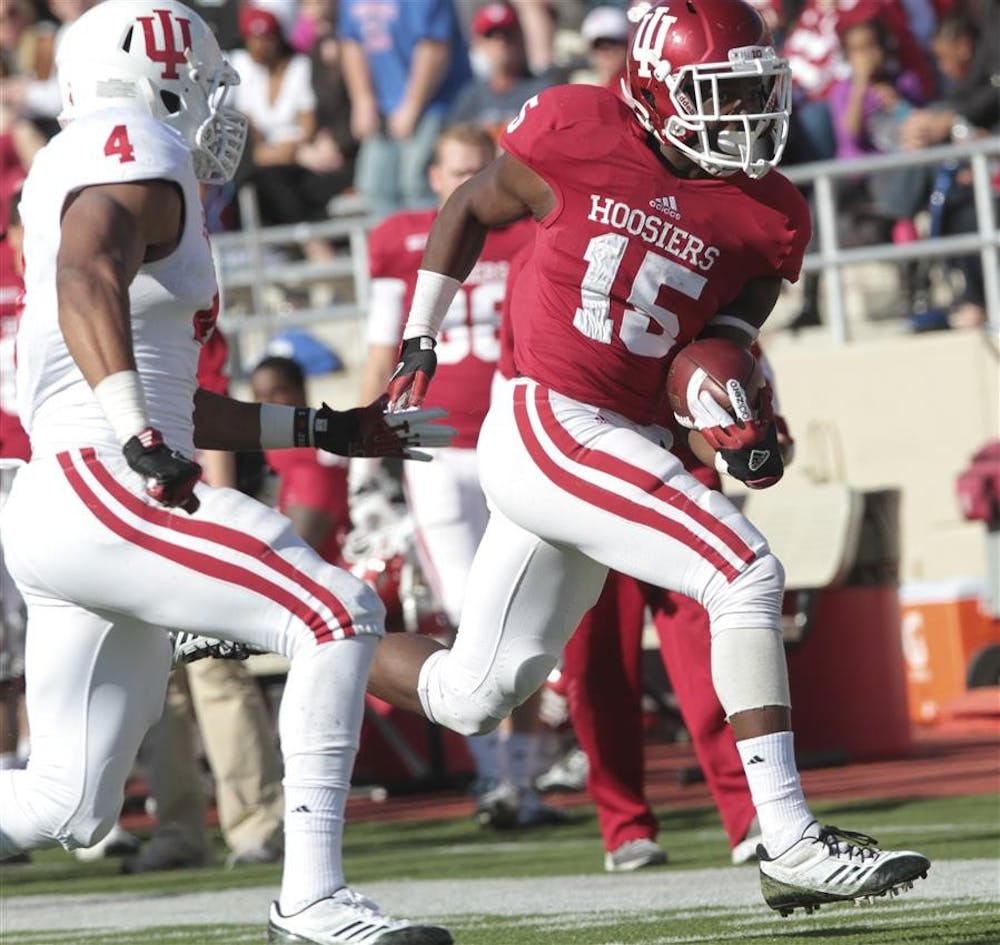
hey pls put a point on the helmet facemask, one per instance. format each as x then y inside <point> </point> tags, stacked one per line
<point>215,134</point>
<point>731,116</point>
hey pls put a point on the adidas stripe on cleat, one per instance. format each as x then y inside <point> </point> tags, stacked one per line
<point>835,866</point>
<point>348,918</point>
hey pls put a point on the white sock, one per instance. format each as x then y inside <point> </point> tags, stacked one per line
<point>314,834</point>
<point>769,763</point>
<point>9,759</point>
<point>320,724</point>
<point>488,757</point>
<point>521,749</point>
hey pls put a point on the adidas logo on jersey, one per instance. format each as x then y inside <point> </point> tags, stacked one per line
<point>667,205</point>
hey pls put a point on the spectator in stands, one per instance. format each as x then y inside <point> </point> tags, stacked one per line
<point>867,109</point>
<point>224,698</point>
<point>276,94</point>
<point>495,99</point>
<point>814,46</point>
<point>968,59</point>
<point>30,88</point>
<point>404,63</point>
<point>538,19</point>
<point>333,149</point>
<point>605,30</point>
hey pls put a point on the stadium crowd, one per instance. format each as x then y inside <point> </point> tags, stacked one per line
<point>345,96</point>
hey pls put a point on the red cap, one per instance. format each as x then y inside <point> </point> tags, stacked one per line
<point>257,22</point>
<point>495,16</point>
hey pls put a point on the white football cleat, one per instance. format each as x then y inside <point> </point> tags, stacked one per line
<point>634,855</point>
<point>348,918</point>
<point>835,866</point>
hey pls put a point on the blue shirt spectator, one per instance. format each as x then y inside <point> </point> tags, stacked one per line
<point>389,30</point>
<point>404,62</point>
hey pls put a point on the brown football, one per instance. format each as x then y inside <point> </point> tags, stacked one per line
<point>711,363</point>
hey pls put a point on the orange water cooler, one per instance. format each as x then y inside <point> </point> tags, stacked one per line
<point>950,643</point>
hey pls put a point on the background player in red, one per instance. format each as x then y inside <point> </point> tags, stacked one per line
<point>657,223</point>
<point>14,450</point>
<point>312,488</point>
<point>445,500</point>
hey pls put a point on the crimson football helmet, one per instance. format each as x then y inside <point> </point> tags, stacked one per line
<point>703,77</point>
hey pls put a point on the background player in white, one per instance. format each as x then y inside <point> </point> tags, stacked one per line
<point>658,220</point>
<point>119,294</point>
<point>444,497</point>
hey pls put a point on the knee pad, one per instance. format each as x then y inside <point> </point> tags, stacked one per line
<point>749,669</point>
<point>57,814</point>
<point>451,696</point>
<point>752,599</point>
<point>748,654</point>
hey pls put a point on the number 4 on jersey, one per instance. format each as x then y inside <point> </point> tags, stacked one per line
<point>118,144</point>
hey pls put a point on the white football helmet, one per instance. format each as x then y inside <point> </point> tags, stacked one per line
<point>162,58</point>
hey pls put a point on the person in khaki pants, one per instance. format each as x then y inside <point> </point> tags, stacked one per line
<point>240,743</point>
<point>237,734</point>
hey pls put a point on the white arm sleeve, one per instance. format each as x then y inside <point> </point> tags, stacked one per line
<point>385,313</point>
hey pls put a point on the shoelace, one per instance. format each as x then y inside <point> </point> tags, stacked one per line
<point>361,903</point>
<point>849,843</point>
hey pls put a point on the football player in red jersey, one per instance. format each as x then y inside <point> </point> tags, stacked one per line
<point>447,503</point>
<point>658,223</point>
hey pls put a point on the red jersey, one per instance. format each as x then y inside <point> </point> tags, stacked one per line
<point>633,261</point>
<point>14,442</point>
<point>213,373</point>
<point>469,342</point>
<point>314,479</point>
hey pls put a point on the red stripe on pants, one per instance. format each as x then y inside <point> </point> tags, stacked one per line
<point>186,557</point>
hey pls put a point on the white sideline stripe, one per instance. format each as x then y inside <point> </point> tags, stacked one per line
<point>637,893</point>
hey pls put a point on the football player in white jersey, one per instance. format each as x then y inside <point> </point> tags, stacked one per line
<point>109,534</point>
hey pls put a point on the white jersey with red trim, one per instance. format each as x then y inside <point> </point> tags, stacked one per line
<point>172,299</point>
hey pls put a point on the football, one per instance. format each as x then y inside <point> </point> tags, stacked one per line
<point>708,365</point>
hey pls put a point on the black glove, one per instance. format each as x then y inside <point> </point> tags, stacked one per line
<point>370,431</point>
<point>409,383</point>
<point>758,466</point>
<point>170,476</point>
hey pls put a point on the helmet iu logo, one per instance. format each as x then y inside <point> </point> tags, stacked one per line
<point>169,55</point>
<point>649,40</point>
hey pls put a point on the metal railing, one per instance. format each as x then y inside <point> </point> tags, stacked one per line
<point>247,259</point>
<point>832,260</point>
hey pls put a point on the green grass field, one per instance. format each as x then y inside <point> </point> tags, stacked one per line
<point>541,886</point>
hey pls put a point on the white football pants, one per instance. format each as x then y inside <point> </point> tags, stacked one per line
<point>449,515</point>
<point>575,490</point>
<point>102,569</point>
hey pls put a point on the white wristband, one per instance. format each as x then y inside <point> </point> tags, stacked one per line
<point>432,297</point>
<point>124,404</point>
<point>283,427</point>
